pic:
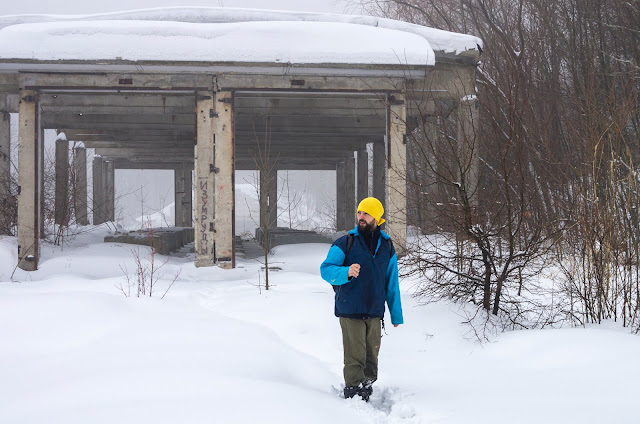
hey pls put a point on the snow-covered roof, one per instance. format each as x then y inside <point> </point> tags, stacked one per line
<point>226,35</point>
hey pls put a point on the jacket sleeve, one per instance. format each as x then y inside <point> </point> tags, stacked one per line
<point>393,291</point>
<point>332,269</point>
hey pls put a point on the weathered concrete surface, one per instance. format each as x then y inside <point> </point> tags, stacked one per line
<point>269,196</point>
<point>5,168</point>
<point>29,182</point>
<point>224,181</point>
<point>110,190</point>
<point>99,191</point>
<point>204,171</point>
<point>183,187</point>
<point>379,173</point>
<point>362,175</point>
<point>396,210</point>
<point>80,185</point>
<point>62,206</point>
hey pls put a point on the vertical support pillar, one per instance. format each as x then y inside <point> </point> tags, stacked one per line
<point>363,175</point>
<point>341,212</point>
<point>224,179</point>
<point>62,209</point>
<point>80,185</point>
<point>28,182</point>
<point>41,179</point>
<point>350,192</point>
<point>379,172</point>
<point>467,130</point>
<point>269,197</point>
<point>204,172</point>
<point>397,172</point>
<point>110,190</point>
<point>182,184</point>
<point>5,171</point>
<point>99,215</point>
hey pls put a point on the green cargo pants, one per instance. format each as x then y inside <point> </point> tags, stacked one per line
<point>361,342</point>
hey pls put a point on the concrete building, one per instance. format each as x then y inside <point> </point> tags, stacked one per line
<point>217,90</point>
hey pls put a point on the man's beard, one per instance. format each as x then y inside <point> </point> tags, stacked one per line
<point>363,226</point>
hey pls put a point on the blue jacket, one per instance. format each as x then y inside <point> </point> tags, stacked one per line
<point>364,296</point>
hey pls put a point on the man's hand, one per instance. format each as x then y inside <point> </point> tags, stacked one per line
<point>354,270</point>
<point>395,325</point>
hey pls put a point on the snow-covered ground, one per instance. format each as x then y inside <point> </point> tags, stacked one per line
<point>217,349</point>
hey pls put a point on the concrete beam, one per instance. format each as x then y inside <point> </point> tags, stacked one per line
<point>80,185</point>
<point>136,82</point>
<point>396,210</point>
<point>112,101</point>
<point>62,206</point>
<point>28,182</point>
<point>127,163</point>
<point>204,191</point>
<point>246,165</point>
<point>224,181</point>
<point>9,102</point>
<point>326,84</point>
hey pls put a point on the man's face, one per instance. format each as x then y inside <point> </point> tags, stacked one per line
<point>366,222</point>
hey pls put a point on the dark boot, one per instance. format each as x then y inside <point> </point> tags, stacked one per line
<point>366,390</point>
<point>351,391</point>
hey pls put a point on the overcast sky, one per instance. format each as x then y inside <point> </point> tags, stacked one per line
<point>67,7</point>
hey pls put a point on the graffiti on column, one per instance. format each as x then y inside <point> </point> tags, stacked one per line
<point>202,221</point>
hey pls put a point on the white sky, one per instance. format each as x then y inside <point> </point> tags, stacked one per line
<point>78,7</point>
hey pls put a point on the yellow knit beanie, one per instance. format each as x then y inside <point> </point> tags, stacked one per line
<point>373,207</point>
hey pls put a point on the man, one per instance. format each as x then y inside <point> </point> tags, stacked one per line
<point>363,268</point>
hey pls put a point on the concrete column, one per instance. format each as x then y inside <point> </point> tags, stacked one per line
<point>5,169</point>
<point>345,195</point>
<point>269,198</point>
<point>204,172</point>
<point>467,130</point>
<point>182,184</point>
<point>379,173</point>
<point>350,193</point>
<point>362,176</point>
<point>224,179</point>
<point>341,212</point>
<point>41,179</point>
<point>396,210</point>
<point>28,182</point>
<point>62,207</point>
<point>80,185</point>
<point>110,190</point>
<point>99,213</point>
